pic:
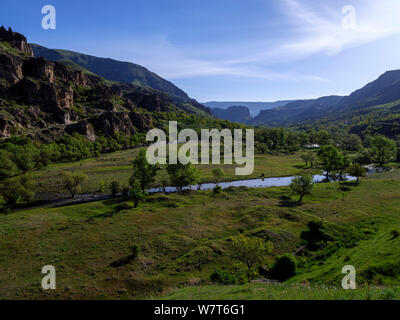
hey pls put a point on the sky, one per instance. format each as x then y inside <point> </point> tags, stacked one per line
<point>229,50</point>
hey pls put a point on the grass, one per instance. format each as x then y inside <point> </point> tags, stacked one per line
<point>117,166</point>
<point>185,237</point>
<point>262,291</point>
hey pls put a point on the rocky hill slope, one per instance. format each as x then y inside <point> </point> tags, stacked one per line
<point>45,99</point>
<point>114,70</point>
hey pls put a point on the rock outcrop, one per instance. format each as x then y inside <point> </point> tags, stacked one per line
<point>45,100</point>
<point>16,40</point>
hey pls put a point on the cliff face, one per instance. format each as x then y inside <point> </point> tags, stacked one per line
<point>46,99</point>
<point>16,40</point>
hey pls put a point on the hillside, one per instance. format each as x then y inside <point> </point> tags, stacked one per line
<point>46,100</point>
<point>234,114</point>
<point>114,70</point>
<point>297,111</point>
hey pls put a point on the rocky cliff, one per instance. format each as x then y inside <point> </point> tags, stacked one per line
<point>45,99</point>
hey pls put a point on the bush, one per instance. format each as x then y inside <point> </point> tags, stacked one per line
<point>217,189</point>
<point>223,277</point>
<point>284,268</point>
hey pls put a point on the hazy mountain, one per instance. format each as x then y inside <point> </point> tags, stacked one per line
<point>296,111</point>
<point>234,114</point>
<point>254,107</point>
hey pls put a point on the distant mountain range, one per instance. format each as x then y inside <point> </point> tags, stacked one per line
<point>254,107</point>
<point>375,108</point>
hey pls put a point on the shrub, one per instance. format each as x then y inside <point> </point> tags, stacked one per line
<point>217,189</point>
<point>284,268</point>
<point>223,277</point>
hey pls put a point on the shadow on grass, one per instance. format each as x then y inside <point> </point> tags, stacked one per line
<point>288,202</point>
<point>122,262</point>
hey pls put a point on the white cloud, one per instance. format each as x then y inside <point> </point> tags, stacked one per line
<point>315,30</point>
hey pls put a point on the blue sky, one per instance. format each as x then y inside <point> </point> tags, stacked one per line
<point>225,50</point>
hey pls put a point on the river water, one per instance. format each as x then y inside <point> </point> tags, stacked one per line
<point>251,183</point>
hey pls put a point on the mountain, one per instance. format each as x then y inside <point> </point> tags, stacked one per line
<point>234,114</point>
<point>254,107</point>
<point>46,100</point>
<point>296,111</point>
<point>113,70</point>
<point>380,91</point>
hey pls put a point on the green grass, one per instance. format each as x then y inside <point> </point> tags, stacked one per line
<point>117,166</point>
<point>261,291</point>
<point>185,237</point>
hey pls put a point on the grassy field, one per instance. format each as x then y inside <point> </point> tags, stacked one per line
<point>185,237</point>
<point>261,291</point>
<point>117,166</point>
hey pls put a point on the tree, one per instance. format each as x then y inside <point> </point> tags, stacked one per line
<point>342,165</point>
<point>330,159</point>
<point>136,194</point>
<point>284,268</point>
<point>323,137</point>
<point>143,171</point>
<point>302,185</point>
<point>352,142</point>
<point>218,173</point>
<point>357,171</point>
<point>114,188</point>
<point>73,181</point>
<point>250,251</point>
<point>14,190</point>
<point>384,149</point>
<point>7,167</point>
<point>308,157</point>
<point>182,174</point>
<point>315,236</point>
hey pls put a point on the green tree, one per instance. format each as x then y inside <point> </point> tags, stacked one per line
<point>218,173</point>
<point>315,236</point>
<point>330,158</point>
<point>72,182</point>
<point>302,185</point>
<point>384,149</point>
<point>342,165</point>
<point>143,171</point>
<point>183,174</point>
<point>284,268</point>
<point>251,252</point>
<point>136,193</point>
<point>14,190</point>
<point>323,137</point>
<point>357,171</point>
<point>309,158</point>
<point>7,167</point>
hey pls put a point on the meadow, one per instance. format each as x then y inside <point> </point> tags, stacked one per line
<point>117,166</point>
<point>185,237</point>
